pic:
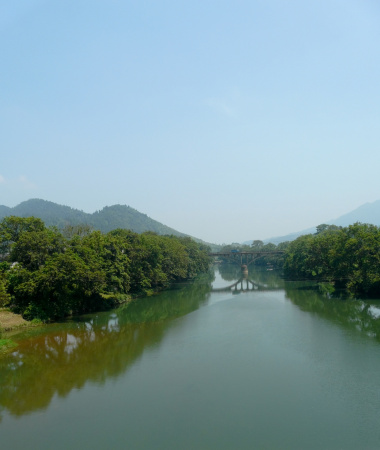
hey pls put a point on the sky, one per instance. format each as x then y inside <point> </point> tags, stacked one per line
<point>226,120</point>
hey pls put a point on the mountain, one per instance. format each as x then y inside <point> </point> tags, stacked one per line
<point>51,213</point>
<point>290,237</point>
<point>107,219</point>
<point>367,213</point>
<point>4,211</point>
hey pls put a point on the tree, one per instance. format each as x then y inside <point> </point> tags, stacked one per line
<point>257,245</point>
<point>4,296</point>
<point>323,228</point>
<point>33,248</point>
<point>64,285</point>
<point>12,227</point>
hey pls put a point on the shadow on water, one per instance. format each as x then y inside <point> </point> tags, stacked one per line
<point>91,348</point>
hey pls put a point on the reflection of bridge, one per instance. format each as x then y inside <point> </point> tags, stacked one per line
<point>245,258</point>
<point>244,284</point>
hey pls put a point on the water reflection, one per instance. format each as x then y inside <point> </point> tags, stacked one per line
<point>354,314</point>
<point>360,315</point>
<point>102,346</point>
<point>91,349</point>
<point>256,280</point>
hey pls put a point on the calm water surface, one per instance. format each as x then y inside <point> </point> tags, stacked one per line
<point>260,364</point>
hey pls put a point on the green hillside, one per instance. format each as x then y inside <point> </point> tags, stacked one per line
<point>51,213</point>
<point>122,216</point>
<point>105,220</point>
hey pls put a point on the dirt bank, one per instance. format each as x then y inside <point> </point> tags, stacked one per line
<point>9,321</point>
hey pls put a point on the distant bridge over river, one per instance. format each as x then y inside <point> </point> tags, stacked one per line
<point>244,259</point>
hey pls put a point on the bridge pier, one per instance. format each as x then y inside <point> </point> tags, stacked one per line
<point>244,269</point>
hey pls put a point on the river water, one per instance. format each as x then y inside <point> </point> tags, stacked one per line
<point>264,364</point>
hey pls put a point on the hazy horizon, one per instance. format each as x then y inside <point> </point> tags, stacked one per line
<point>198,237</point>
<point>225,121</point>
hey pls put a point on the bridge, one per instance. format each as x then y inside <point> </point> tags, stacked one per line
<point>245,258</point>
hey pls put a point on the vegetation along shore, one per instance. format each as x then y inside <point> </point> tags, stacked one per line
<point>345,259</point>
<point>47,274</point>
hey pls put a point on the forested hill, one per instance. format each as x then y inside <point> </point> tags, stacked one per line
<point>109,218</point>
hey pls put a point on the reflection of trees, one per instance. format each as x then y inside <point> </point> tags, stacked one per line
<point>271,279</point>
<point>93,348</point>
<point>350,313</point>
<point>229,272</point>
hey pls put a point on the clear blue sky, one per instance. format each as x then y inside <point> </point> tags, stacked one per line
<point>227,120</point>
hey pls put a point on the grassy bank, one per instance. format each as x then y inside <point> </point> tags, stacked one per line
<point>6,344</point>
<point>10,321</point>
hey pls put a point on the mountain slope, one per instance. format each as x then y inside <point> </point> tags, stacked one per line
<point>105,220</point>
<point>51,213</point>
<point>122,216</point>
<point>367,213</point>
<point>4,211</point>
<point>109,218</point>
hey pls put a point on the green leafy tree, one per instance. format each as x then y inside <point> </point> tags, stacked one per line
<point>257,245</point>
<point>64,285</point>
<point>53,275</point>
<point>33,248</point>
<point>12,227</point>
<point>4,295</point>
<point>349,257</point>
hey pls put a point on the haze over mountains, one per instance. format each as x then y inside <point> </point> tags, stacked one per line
<point>367,213</point>
<point>123,216</point>
<point>105,220</point>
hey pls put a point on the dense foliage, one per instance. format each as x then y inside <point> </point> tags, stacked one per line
<point>46,273</point>
<point>349,257</point>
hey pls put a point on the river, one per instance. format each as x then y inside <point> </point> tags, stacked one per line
<point>264,364</point>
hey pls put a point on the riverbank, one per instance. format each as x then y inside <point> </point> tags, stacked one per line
<point>50,274</point>
<point>10,321</point>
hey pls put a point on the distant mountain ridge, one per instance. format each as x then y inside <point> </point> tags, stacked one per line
<point>367,213</point>
<point>105,220</point>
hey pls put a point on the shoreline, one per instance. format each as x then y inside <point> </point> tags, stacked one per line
<point>10,321</point>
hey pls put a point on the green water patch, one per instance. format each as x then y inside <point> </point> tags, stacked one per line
<point>6,345</point>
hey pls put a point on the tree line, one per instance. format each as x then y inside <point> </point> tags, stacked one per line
<point>348,257</point>
<point>48,273</point>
